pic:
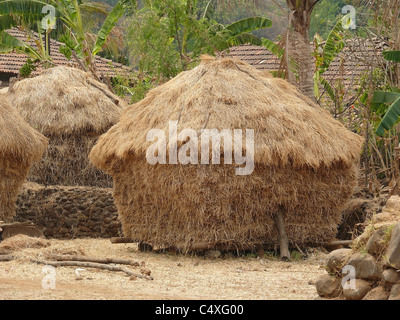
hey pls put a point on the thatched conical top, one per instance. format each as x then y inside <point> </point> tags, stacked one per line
<point>222,94</point>
<point>17,138</point>
<point>64,101</point>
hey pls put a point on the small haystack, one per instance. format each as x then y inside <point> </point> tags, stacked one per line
<point>72,109</point>
<point>20,146</point>
<point>305,163</point>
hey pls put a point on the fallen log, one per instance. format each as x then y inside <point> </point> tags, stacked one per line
<point>91,265</point>
<point>95,260</point>
<point>337,244</point>
<point>344,243</point>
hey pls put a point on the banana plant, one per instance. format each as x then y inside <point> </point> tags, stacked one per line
<point>392,56</point>
<point>389,100</point>
<point>381,100</point>
<point>69,13</point>
<point>325,54</point>
<point>238,32</point>
<point>75,37</point>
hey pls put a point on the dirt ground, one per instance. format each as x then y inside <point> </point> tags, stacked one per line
<point>176,277</point>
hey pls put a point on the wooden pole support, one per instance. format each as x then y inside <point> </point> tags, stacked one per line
<point>282,236</point>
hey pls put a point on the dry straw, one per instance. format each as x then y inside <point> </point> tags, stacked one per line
<point>20,146</point>
<point>72,109</point>
<point>305,161</point>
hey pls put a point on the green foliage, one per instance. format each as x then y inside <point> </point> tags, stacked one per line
<point>325,53</point>
<point>69,45</point>
<point>109,23</point>
<point>168,36</point>
<point>70,13</point>
<point>14,12</point>
<point>325,16</point>
<point>227,12</point>
<point>273,47</point>
<point>392,56</point>
<point>383,98</point>
<point>9,43</point>
<point>27,69</point>
<point>296,255</point>
<point>393,112</point>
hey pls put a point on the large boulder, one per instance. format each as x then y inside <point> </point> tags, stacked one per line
<point>393,251</point>
<point>395,292</point>
<point>337,259</point>
<point>365,266</point>
<point>328,287</point>
<point>378,293</point>
<point>376,244</point>
<point>390,276</point>
<point>358,292</point>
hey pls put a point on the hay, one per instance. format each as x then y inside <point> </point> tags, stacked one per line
<point>21,241</point>
<point>66,163</point>
<point>72,109</point>
<point>177,206</point>
<point>20,146</point>
<point>305,161</point>
<point>229,94</point>
<point>66,101</point>
<point>17,139</point>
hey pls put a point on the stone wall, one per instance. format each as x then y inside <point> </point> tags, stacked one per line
<point>69,212</point>
<point>370,270</point>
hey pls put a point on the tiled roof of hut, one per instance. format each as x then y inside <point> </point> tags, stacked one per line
<point>12,62</point>
<point>258,57</point>
<point>348,66</point>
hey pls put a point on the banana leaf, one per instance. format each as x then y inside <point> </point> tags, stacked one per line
<point>110,22</point>
<point>392,56</point>
<point>391,117</point>
<point>248,25</point>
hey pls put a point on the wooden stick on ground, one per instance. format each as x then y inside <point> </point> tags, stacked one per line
<point>282,236</point>
<point>345,243</point>
<point>96,260</point>
<point>6,258</point>
<point>91,265</point>
<point>14,224</point>
<point>122,240</point>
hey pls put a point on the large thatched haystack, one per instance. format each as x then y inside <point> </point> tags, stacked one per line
<point>20,146</point>
<point>72,109</point>
<point>305,163</point>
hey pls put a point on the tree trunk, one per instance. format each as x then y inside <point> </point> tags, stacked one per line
<point>299,43</point>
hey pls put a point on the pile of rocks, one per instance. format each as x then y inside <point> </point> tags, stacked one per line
<point>371,269</point>
<point>64,212</point>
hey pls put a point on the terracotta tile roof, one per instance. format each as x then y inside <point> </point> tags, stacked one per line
<point>356,58</point>
<point>259,57</point>
<point>12,62</point>
<point>347,67</point>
